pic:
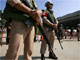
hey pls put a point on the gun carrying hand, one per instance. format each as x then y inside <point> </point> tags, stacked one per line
<point>55,26</point>
<point>35,14</point>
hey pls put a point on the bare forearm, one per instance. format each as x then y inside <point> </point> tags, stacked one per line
<point>19,5</point>
<point>47,21</point>
<point>22,7</point>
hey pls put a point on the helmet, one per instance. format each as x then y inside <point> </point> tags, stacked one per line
<point>47,3</point>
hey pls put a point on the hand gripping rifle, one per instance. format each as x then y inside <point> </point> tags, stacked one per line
<point>41,29</point>
<point>56,31</point>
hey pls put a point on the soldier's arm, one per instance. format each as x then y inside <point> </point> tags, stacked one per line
<point>19,5</point>
<point>47,21</point>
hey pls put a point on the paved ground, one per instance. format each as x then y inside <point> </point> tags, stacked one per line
<point>71,50</point>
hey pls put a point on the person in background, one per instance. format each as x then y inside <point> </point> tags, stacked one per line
<point>71,33</point>
<point>65,33</point>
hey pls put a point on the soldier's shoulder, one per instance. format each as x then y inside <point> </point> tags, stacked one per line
<point>46,11</point>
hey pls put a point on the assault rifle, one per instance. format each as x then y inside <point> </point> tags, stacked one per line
<point>40,28</point>
<point>56,31</point>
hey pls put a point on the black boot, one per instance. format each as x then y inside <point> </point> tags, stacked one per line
<point>42,57</point>
<point>52,55</point>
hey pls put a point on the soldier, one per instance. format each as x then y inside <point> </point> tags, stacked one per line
<point>49,28</point>
<point>19,12</point>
